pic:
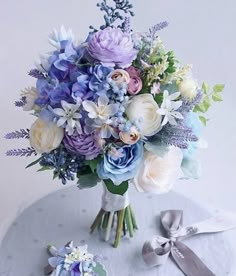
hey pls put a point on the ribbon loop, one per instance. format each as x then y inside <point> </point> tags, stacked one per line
<point>172,223</point>
<point>157,250</point>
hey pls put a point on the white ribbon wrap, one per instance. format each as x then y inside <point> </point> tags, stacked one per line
<point>112,202</point>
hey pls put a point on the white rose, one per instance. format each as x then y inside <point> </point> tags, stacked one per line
<point>31,95</point>
<point>157,174</point>
<point>44,136</point>
<point>188,88</point>
<point>145,108</point>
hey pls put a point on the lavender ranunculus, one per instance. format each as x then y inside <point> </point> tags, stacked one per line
<point>84,144</point>
<point>112,47</point>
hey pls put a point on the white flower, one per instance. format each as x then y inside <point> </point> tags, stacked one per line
<point>115,153</point>
<point>188,88</point>
<point>104,128</point>
<point>157,174</point>
<point>144,108</point>
<point>30,95</point>
<point>45,136</point>
<point>155,89</point>
<point>43,64</point>
<point>56,37</point>
<point>69,117</point>
<point>169,107</point>
<point>102,110</point>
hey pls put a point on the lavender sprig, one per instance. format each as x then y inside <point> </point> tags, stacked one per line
<point>189,105</point>
<point>22,152</point>
<point>179,135</point>
<point>35,73</point>
<point>156,28</point>
<point>22,133</point>
<point>115,13</point>
<point>21,102</point>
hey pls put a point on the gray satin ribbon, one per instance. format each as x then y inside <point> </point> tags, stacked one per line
<point>156,251</point>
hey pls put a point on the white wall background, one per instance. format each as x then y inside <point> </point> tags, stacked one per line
<point>201,33</point>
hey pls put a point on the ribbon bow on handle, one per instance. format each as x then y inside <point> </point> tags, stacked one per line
<point>156,251</point>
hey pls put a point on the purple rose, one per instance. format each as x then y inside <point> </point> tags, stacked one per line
<point>84,144</point>
<point>133,71</point>
<point>112,47</point>
<point>135,85</point>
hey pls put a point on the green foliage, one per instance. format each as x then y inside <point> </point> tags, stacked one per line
<point>88,180</point>
<point>116,189</point>
<point>42,169</point>
<point>203,120</point>
<point>93,163</point>
<point>33,163</point>
<point>99,270</point>
<point>209,96</point>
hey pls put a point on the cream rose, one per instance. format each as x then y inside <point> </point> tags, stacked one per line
<point>44,136</point>
<point>120,76</point>
<point>145,108</point>
<point>130,137</point>
<point>157,174</point>
<point>188,88</point>
<point>30,95</point>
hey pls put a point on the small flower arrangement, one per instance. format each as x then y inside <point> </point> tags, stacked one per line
<point>117,107</point>
<point>73,260</point>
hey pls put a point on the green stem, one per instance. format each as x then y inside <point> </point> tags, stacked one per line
<point>129,222</point>
<point>121,214</point>
<point>105,220</point>
<point>97,220</point>
<point>133,218</point>
<point>109,226</point>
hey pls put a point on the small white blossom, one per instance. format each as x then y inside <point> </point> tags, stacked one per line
<point>102,110</point>
<point>56,37</point>
<point>115,153</point>
<point>155,89</point>
<point>169,107</point>
<point>69,117</point>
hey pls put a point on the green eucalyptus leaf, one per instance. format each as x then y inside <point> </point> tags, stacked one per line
<point>206,103</point>
<point>33,163</point>
<point>44,169</point>
<point>116,189</point>
<point>205,87</point>
<point>93,163</point>
<point>88,180</point>
<point>157,147</point>
<point>198,108</point>
<point>203,120</point>
<point>217,97</point>
<point>218,88</point>
<point>99,270</point>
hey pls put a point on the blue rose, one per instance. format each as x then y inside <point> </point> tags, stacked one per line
<point>121,163</point>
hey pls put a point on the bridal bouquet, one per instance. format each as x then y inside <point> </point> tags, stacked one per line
<point>117,109</point>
